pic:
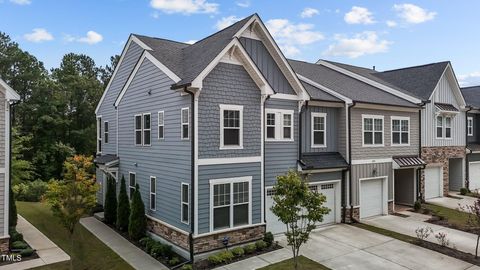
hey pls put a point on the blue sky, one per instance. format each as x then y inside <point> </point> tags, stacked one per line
<point>387,34</point>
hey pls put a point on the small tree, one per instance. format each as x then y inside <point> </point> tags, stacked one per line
<point>298,208</point>
<point>474,220</point>
<point>123,210</point>
<point>137,224</point>
<point>110,207</point>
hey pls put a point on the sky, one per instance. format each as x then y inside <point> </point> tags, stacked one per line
<point>385,34</point>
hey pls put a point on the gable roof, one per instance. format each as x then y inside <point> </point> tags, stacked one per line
<point>318,94</point>
<point>472,96</point>
<point>10,94</point>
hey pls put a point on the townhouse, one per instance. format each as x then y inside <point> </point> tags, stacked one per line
<point>472,96</point>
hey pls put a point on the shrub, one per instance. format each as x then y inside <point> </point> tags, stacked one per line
<point>157,250</point>
<point>238,251</point>
<point>463,191</point>
<point>30,191</point>
<point>417,206</point>
<point>214,259</point>
<point>137,223</point>
<point>167,251</point>
<point>442,239</point>
<point>187,267</point>
<point>110,207</point>
<point>260,245</point>
<point>15,236</point>
<point>423,233</point>
<point>174,261</point>
<point>145,240</point>
<point>19,245</point>
<point>268,238</point>
<point>123,210</point>
<point>149,245</point>
<point>26,252</point>
<point>12,213</point>
<point>250,248</point>
<point>226,256</point>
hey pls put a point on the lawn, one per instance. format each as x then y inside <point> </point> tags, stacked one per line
<point>303,264</point>
<point>456,218</point>
<point>88,251</point>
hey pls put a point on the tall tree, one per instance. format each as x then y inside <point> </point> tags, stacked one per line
<point>107,72</point>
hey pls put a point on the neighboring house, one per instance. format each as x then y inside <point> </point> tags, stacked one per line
<point>8,96</point>
<point>472,96</point>
<point>376,131</point>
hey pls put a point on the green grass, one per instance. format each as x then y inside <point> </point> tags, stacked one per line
<point>392,234</point>
<point>88,252</point>
<point>454,217</point>
<point>303,264</point>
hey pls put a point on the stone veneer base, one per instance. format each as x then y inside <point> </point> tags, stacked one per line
<point>5,245</point>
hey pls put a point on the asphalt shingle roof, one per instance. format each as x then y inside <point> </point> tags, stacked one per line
<point>318,94</point>
<point>325,160</point>
<point>472,96</point>
<point>104,159</point>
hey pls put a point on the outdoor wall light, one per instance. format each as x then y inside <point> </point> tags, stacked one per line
<point>135,164</point>
<point>374,172</point>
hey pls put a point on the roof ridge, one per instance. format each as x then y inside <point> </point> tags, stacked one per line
<point>467,87</point>
<point>418,66</point>
<point>350,65</point>
<point>164,39</point>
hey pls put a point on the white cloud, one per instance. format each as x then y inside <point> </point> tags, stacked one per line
<point>191,41</point>
<point>469,79</point>
<point>309,12</point>
<point>243,4</point>
<point>391,23</point>
<point>38,35</point>
<point>91,38</point>
<point>414,14</point>
<point>359,15</point>
<point>290,36</point>
<point>155,15</point>
<point>21,2</point>
<point>360,44</point>
<point>184,6</point>
<point>227,21</point>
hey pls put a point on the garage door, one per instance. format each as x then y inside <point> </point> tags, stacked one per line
<point>433,180</point>
<point>371,198</point>
<point>474,175</point>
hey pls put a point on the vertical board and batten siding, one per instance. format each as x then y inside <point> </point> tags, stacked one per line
<point>267,65</point>
<point>211,172</point>
<point>342,132</point>
<point>443,93</point>
<point>281,156</point>
<point>331,138</point>
<point>228,84</point>
<point>476,128</point>
<point>359,152</point>
<point>168,159</point>
<point>366,171</point>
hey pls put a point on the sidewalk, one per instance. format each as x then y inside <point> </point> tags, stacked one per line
<point>48,251</point>
<point>452,202</point>
<point>126,250</point>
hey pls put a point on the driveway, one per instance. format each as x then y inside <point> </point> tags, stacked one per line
<point>457,201</point>
<point>347,247</point>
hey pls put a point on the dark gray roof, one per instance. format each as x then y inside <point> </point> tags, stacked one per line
<point>446,107</point>
<point>322,160</point>
<point>408,161</point>
<point>318,94</point>
<point>104,159</point>
<point>472,96</point>
<point>346,85</point>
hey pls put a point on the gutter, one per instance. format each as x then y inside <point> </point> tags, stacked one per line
<point>263,187</point>
<point>12,120</point>
<point>419,193</point>
<point>182,86</point>
<point>350,156</point>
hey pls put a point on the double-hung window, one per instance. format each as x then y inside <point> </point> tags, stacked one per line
<point>319,128</point>
<point>153,192</point>
<point>185,203</point>
<point>372,130</point>
<point>105,132</point>
<point>99,135</point>
<point>231,200</point>
<point>400,130</point>
<point>185,132</point>
<point>147,128</point>
<point>231,127</point>
<point>132,181</point>
<point>439,130</point>
<point>444,127</point>
<point>279,125</point>
<point>470,126</point>
<point>143,129</point>
<point>448,127</point>
<point>161,125</point>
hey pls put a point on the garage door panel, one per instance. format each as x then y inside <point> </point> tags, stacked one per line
<point>474,176</point>
<point>371,198</point>
<point>433,180</point>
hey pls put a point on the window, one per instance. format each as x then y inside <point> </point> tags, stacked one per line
<point>279,125</point>
<point>470,126</point>
<point>400,130</point>
<point>185,123</point>
<point>231,133</point>
<point>231,202</point>
<point>143,129</point>
<point>372,130</point>
<point>318,123</point>
<point>105,131</point>
<point>448,127</point>
<point>132,181</point>
<point>138,129</point>
<point>439,127</point>
<point>161,125</point>
<point>185,203</point>
<point>147,129</point>
<point>99,135</point>
<point>153,192</point>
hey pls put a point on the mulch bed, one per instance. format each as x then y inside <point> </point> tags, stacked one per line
<point>444,222</point>
<point>457,254</point>
<point>31,257</point>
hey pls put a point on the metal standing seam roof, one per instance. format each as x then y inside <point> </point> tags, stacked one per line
<point>446,107</point>
<point>408,161</point>
<point>472,96</point>
<point>325,160</point>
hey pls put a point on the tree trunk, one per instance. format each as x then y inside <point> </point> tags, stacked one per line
<point>72,248</point>
<point>295,260</point>
<point>476,249</point>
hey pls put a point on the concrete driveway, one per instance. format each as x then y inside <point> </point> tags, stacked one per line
<point>457,201</point>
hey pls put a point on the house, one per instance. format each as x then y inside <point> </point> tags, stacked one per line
<point>472,96</point>
<point>8,96</point>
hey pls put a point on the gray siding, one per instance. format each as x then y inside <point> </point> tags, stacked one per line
<point>333,115</point>
<point>360,152</point>
<point>455,173</point>
<point>106,109</point>
<point>281,156</point>
<point>2,205</point>
<point>267,65</point>
<point>168,159</point>
<point>342,132</point>
<point>228,84</point>
<point>210,172</point>
<point>405,186</point>
<point>473,157</point>
<point>318,177</point>
<point>476,128</point>
<point>366,171</point>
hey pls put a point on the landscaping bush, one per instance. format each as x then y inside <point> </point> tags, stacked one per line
<point>268,238</point>
<point>157,250</point>
<point>260,245</point>
<point>463,191</point>
<point>26,252</point>
<point>145,240</point>
<point>15,236</point>
<point>149,245</point>
<point>226,256</point>
<point>250,248</point>
<point>238,251</point>
<point>30,191</point>
<point>19,245</point>
<point>137,223</point>
<point>123,210</point>
<point>174,261</point>
<point>187,267</point>
<point>417,206</point>
<point>12,213</point>
<point>168,251</point>
<point>110,207</point>
<point>214,259</point>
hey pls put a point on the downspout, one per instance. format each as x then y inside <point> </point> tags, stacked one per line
<point>12,120</point>
<point>419,172</point>
<point>350,156</point>
<point>300,126</point>
<point>467,164</point>
<point>263,187</point>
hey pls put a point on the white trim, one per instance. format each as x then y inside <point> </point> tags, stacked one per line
<point>152,193</point>
<point>384,192</point>
<point>228,107</point>
<point>399,118</point>
<point>458,93</point>
<point>231,181</point>
<point>160,125</point>
<point>135,129</point>
<point>106,137</point>
<point>196,162</point>
<point>326,89</point>
<point>187,203</point>
<point>472,126</point>
<point>312,131</point>
<point>6,210</point>
<point>279,125</point>
<point>220,161</point>
<point>10,94</point>
<point>373,117</point>
<point>371,161</point>
<point>262,155</point>
<point>129,182</point>
<point>437,126</point>
<point>185,123</point>
<point>381,107</point>
<point>285,96</point>
<point>371,82</point>
<point>166,224</point>
<point>99,134</point>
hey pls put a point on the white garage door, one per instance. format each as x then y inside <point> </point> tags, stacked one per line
<point>433,180</point>
<point>474,175</point>
<point>371,198</point>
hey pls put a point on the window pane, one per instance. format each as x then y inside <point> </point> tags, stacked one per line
<point>270,119</point>
<point>160,132</point>
<point>287,132</point>
<point>368,138</point>
<point>184,212</point>
<point>368,124</point>
<point>287,119</point>
<point>138,137</point>
<point>146,137</point>
<point>99,145</point>
<point>240,192</point>
<point>240,215</point>
<point>185,193</point>
<point>152,201</point>
<point>132,189</point>
<point>378,124</point>
<point>231,137</point>
<point>132,180</point>
<point>231,118</point>
<point>106,127</point>
<point>396,138</point>
<point>439,132</point>
<point>378,138</point>
<point>448,122</point>
<point>448,132</point>
<point>221,217</point>
<point>439,121</point>
<point>152,185</point>
<point>318,123</point>
<point>106,137</point>
<point>271,132</point>
<point>185,131</point>
<point>319,137</point>
<point>185,116</point>
<point>138,122</point>
<point>146,121</point>
<point>396,125</point>
<point>160,118</point>
<point>405,138</point>
<point>221,194</point>
<point>404,125</point>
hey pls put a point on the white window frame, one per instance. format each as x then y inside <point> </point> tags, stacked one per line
<point>185,123</point>
<point>225,107</point>
<point>162,124</point>
<point>106,132</point>
<point>231,181</point>
<point>99,134</point>
<point>182,203</point>
<point>152,193</point>
<point>279,125</point>
<point>135,130</point>
<point>313,115</point>
<point>400,118</point>
<point>146,129</point>
<point>130,193</point>
<point>450,127</point>
<point>437,126</point>
<point>373,117</point>
<point>470,126</point>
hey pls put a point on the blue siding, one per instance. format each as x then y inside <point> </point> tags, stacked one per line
<point>228,84</point>
<point>209,172</point>
<point>333,119</point>
<point>168,159</point>
<point>281,156</point>
<point>267,65</point>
